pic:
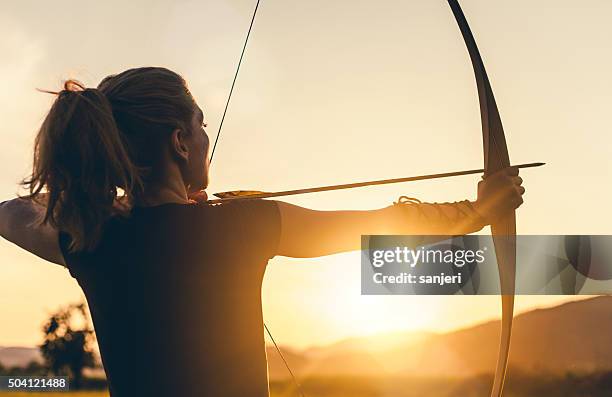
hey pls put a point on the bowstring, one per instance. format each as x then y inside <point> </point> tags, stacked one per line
<point>278,350</point>
<point>229,98</point>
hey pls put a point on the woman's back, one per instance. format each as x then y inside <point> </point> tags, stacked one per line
<point>175,295</point>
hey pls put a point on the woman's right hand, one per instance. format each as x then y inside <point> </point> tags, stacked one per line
<point>198,197</point>
<point>499,194</point>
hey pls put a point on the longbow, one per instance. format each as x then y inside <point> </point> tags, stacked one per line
<point>495,158</point>
<point>503,230</point>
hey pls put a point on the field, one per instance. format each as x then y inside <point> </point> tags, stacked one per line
<point>519,385</point>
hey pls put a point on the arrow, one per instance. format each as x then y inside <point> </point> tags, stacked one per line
<point>250,194</point>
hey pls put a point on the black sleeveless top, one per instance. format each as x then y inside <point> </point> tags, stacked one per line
<point>175,297</point>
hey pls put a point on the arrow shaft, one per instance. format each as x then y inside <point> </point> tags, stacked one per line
<point>261,195</point>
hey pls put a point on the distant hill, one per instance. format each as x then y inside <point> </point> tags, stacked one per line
<point>19,356</point>
<point>573,337</point>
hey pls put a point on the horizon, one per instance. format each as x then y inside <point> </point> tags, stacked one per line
<point>398,333</point>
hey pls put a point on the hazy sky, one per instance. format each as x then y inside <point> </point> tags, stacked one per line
<point>333,92</point>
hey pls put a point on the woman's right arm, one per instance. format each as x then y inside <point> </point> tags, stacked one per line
<point>20,224</point>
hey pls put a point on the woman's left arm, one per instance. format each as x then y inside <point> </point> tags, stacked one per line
<point>308,233</point>
<point>20,223</point>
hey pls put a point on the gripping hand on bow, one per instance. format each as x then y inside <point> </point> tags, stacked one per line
<point>499,193</point>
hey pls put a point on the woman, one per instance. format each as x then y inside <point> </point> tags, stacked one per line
<point>173,283</point>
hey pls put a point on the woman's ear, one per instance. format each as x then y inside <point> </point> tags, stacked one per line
<point>179,145</point>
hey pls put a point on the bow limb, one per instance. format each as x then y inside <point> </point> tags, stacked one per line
<point>504,230</point>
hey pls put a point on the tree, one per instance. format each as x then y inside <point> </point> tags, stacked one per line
<point>68,343</point>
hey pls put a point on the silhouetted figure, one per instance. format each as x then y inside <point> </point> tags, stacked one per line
<point>174,283</point>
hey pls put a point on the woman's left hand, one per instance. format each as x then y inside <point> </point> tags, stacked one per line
<point>499,194</point>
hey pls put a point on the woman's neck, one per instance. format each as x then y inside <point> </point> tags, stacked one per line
<point>162,196</point>
<point>170,189</point>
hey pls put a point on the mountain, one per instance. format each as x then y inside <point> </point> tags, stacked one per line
<point>19,356</point>
<point>572,337</point>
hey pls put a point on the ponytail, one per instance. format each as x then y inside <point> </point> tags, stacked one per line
<point>81,159</point>
<point>97,141</point>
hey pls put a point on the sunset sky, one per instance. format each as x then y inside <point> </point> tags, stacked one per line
<point>333,92</point>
